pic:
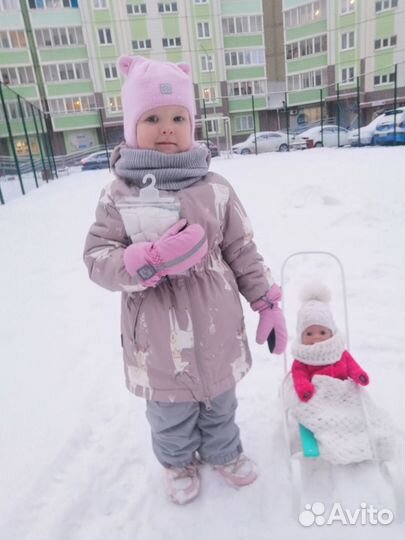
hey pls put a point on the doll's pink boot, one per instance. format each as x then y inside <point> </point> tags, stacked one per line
<point>237,473</point>
<point>182,483</point>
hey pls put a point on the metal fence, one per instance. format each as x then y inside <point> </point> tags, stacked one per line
<point>32,163</point>
<point>19,117</point>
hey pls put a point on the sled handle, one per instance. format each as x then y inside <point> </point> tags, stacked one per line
<point>343,278</point>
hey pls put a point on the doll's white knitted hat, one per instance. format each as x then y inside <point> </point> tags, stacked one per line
<point>315,309</point>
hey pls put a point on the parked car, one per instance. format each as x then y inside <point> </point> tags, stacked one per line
<point>386,132</point>
<point>330,135</point>
<point>267,141</point>
<point>97,160</point>
<point>367,132</point>
<point>213,148</point>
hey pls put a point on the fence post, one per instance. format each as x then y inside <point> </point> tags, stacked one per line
<point>287,120</point>
<point>27,139</point>
<point>33,110</point>
<point>254,122</point>
<point>1,196</point>
<point>395,102</point>
<point>205,123</point>
<point>338,112</point>
<point>46,140</point>
<point>104,135</point>
<point>10,134</point>
<point>321,104</point>
<point>358,107</point>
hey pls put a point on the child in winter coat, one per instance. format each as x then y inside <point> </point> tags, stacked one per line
<point>183,333</point>
<point>319,348</point>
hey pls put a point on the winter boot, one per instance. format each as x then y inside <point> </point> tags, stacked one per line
<point>238,472</point>
<point>183,483</point>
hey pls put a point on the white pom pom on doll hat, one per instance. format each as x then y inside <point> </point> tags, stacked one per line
<point>315,310</point>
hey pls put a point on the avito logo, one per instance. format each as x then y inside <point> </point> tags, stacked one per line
<point>365,515</point>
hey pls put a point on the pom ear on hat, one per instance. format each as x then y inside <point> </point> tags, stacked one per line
<point>184,67</point>
<point>125,63</point>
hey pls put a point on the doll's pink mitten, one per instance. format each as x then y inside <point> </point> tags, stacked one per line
<point>271,318</point>
<point>180,248</point>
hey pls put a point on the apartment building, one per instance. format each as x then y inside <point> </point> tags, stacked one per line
<point>70,62</point>
<point>329,44</point>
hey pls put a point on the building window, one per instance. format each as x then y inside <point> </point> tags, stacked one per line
<point>207,62</point>
<point>246,57</point>
<point>209,94</point>
<point>71,105</point>
<point>203,30</point>
<point>141,44</point>
<point>200,1</point>
<point>246,88</point>
<point>347,75</point>
<point>104,36</point>
<point>66,72</point>
<point>386,78</point>
<point>306,47</point>
<point>136,9</point>
<point>211,126</point>
<point>167,7</point>
<point>384,43</point>
<point>242,25</point>
<point>9,5</point>
<point>308,79</point>
<point>383,5</point>
<point>100,4</point>
<point>346,40</point>
<point>20,75</point>
<point>114,104</point>
<point>347,6</point>
<point>169,43</point>
<point>59,37</point>
<point>51,4</point>
<point>110,72</point>
<point>244,123</point>
<point>12,39</point>
<point>306,14</point>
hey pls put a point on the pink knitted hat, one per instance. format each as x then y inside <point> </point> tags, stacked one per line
<point>150,84</point>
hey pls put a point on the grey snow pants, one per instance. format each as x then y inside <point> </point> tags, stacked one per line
<point>179,430</point>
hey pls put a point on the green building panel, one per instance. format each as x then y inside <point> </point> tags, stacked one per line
<point>293,34</point>
<point>385,24</point>
<point>112,86</point>
<point>384,61</point>
<point>139,28</point>
<point>103,17</point>
<point>171,26</point>
<point>11,58</point>
<point>346,21</point>
<point>245,74</point>
<point>70,88</point>
<point>175,55</point>
<point>245,104</point>
<point>289,4</point>
<point>312,95</point>
<point>201,10</point>
<point>348,57</point>
<point>235,42</point>
<point>241,7</point>
<point>45,18</point>
<point>76,121</point>
<point>63,54</point>
<point>13,21</point>
<point>28,92</point>
<point>304,64</point>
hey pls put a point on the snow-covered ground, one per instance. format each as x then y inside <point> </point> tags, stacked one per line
<point>76,460</point>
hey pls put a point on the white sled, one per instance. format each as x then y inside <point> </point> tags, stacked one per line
<point>307,447</point>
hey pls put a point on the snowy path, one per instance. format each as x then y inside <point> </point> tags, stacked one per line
<point>76,461</point>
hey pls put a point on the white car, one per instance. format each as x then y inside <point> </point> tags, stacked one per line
<point>267,141</point>
<point>367,132</point>
<point>330,135</point>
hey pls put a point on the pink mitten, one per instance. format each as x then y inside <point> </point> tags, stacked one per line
<point>179,249</point>
<point>271,318</point>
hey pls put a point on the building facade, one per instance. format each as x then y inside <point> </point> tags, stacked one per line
<point>245,55</point>
<point>345,46</point>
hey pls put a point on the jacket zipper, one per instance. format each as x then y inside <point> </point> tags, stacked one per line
<point>206,399</point>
